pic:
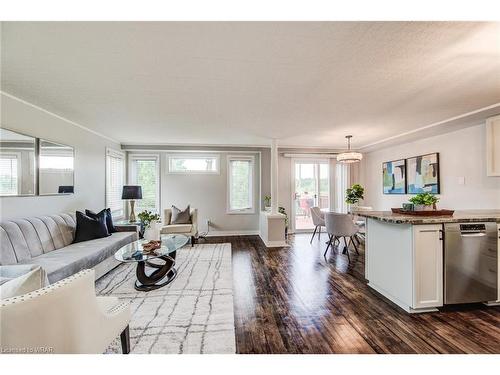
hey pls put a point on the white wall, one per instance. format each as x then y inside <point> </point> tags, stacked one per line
<point>461,154</point>
<point>208,193</point>
<point>89,161</point>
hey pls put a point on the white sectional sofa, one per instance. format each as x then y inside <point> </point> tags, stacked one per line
<point>47,241</point>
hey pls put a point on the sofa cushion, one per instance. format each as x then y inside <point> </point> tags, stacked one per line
<point>177,228</point>
<point>90,228</point>
<point>19,279</point>
<point>71,259</point>
<point>109,218</point>
<point>181,217</point>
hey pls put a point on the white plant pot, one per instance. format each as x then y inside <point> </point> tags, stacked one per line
<point>152,233</point>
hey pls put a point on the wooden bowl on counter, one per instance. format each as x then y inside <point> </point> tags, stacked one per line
<point>423,213</point>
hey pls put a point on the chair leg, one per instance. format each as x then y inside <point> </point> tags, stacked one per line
<point>328,246</point>
<point>125,339</point>
<point>193,240</point>
<point>345,245</point>
<point>356,239</point>
<point>319,232</point>
<point>315,228</point>
<point>354,243</point>
<point>346,249</point>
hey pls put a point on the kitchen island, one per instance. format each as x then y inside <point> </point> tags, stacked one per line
<point>405,255</point>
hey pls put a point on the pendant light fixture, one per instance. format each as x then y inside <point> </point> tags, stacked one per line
<point>349,156</point>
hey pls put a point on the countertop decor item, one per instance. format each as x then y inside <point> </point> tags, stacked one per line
<point>423,212</point>
<point>349,156</point>
<point>131,193</point>
<point>267,203</point>
<point>424,201</point>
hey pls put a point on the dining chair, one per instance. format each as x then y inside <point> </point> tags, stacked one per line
<point>360,222</point>
<point>318,218</point>
<point>340,226</point>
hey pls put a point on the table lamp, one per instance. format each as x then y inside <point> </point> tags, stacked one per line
<point>131,193</point>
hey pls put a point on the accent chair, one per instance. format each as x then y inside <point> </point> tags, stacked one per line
<point>186,229</point>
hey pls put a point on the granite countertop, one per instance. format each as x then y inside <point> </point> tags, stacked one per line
<point>459,216</point>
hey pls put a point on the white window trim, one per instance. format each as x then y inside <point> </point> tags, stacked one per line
<point>132,173</point>
<point>251,210</point>
<point>118,154</point>
<point>194,156</point>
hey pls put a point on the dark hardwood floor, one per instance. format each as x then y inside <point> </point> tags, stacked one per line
<point>292,300</point>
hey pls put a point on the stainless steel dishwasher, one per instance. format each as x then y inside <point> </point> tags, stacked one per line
<point>470,262</point>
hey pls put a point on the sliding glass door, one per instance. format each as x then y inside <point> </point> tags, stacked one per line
<point>311,188</point>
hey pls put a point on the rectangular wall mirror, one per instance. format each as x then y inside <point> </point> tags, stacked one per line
<point>56,173</point>
<point>17,164</point>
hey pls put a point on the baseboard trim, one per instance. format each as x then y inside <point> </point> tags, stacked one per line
<point>229,233</point>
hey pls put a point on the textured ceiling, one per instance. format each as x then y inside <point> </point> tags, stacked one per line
<point>241,83</point>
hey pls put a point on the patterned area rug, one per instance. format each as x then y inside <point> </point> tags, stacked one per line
<point>193,314</point>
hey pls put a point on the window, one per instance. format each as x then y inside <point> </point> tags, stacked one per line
<point>206,164</point>
<point>114,182</point>
<point>9,174</point>
<point>240,172</point>
<point>144,171</point>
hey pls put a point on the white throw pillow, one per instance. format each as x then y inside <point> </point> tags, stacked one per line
<point>20,279</point>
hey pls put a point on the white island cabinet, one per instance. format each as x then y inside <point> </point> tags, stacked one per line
<point>404,256</point>
<point>404,262</point>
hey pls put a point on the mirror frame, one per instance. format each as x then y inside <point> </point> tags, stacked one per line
<point>37,167</point>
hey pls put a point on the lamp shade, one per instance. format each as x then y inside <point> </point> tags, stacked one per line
<point>132,192</point>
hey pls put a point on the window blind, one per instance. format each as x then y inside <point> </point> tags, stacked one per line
<point>114,182</point>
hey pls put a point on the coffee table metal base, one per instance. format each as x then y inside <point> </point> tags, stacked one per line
<point>162,275</point>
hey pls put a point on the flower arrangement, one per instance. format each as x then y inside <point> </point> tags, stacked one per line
<point>147,217</point>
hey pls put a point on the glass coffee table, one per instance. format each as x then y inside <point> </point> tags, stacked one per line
<point>153,270</point>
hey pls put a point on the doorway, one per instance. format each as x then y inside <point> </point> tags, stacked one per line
<point>310,188</point>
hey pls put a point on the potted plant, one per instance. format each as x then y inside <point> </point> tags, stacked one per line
<point>354,194</point>
<point>267,203</point>
<point>424,201</point>
<point>150,221</point>
<point>282,210</point>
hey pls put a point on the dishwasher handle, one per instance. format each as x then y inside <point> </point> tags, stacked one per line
<point>480,234</point>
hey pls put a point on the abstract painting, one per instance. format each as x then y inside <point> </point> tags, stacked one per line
<point>394,177</point>
<point>423,174</point>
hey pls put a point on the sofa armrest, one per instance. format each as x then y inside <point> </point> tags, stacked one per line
<point>194,221</point>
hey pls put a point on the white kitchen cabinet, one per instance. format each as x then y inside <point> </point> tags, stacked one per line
<point>427,266</point>
<point>493,146</point>
<point>405,264</point>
